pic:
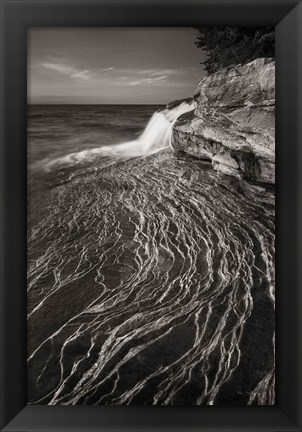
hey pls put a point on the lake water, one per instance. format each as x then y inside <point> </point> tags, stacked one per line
<point>150,277</point>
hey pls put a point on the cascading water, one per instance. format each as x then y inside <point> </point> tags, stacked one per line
<point>156,136</point>
<point>149,282</point>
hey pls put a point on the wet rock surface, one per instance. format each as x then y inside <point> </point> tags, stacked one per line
<point>150,282</point>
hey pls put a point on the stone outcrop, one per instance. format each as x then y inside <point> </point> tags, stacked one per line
<point>233,123</point>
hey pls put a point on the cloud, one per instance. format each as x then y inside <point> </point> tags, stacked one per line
<point>160,72</point>
<point>150,72</point>
<point>85,75</point>
<point>149,80</point>
<point>68,70</point>
<point>156,72</point>
<point>72,71</point>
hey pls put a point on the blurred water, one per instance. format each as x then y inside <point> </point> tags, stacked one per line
<point>150,280</point>
<point>156,136</point>
<point>57,130</point>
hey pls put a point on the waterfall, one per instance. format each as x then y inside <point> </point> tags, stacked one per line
<point>149,281</point>
<point>156,136</point>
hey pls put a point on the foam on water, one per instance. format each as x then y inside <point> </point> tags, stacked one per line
<point>155,137</point>
<point>149,281</point>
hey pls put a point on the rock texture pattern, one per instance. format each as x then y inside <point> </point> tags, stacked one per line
<point>233,123</point>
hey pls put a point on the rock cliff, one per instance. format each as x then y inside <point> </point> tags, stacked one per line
<point>233,123</point>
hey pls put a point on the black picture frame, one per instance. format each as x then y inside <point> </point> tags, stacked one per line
<point>16,18</point>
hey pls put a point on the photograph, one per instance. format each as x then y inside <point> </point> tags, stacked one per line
<point>151,216</point>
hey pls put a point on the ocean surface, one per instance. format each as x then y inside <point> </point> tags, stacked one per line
<point>150,276</point>
<point>57,132</point>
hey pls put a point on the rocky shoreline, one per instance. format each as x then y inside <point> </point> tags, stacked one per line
<point>233,122</point>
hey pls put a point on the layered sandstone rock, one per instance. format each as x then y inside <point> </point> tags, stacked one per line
<point>233,124</point>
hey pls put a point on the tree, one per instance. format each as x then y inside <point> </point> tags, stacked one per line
<point>226,46</point>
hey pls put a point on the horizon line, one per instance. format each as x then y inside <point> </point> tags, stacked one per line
<point>60,103</point>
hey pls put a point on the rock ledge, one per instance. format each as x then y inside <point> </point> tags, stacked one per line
<point>233,123</point>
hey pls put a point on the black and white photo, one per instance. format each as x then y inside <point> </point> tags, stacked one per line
<point>151,216</point>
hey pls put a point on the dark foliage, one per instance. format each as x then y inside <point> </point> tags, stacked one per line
<point>226,46</point>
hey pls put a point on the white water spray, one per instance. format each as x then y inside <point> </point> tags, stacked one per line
<point>156,136</point>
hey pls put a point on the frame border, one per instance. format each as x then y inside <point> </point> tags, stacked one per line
<point>17,16</point>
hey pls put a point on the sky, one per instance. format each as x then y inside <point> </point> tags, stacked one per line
<point>123,65</point>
